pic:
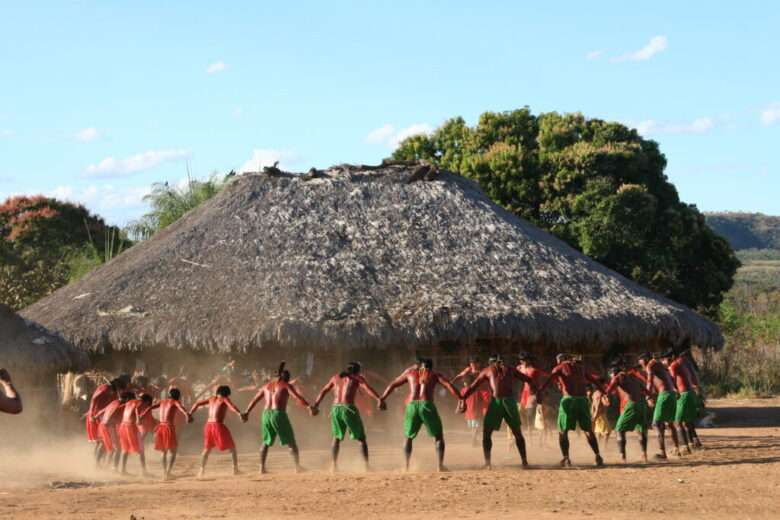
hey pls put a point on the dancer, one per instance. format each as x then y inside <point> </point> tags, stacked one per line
<point>574,410</point>
<point>108,420</point>
<point>103,395</point>
<point>661,384</point>
<point>275,421</point>
<point>503,405</point>
<point>633,413</point>
<point>130,434</point>
<point>215,433</point>
<point>686,411</point>
<point>10,400</point>
<point>420,408</point>
<point>344,414</point>
<point>165,439</point>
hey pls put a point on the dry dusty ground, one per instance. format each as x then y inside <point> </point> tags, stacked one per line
<point>736,476</point>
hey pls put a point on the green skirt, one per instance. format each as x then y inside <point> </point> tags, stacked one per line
<point>419,413</point>
<point>504,409</point>
<point>634,417</point>
<point>277,423</point>
<point>574,411</point>
<point>345,417</point>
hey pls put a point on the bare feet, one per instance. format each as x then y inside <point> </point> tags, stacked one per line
<point>442,469</point>
<point>599,461</point>
<point>566,461</point>
<point>201,473</point>
<point>525,464</point>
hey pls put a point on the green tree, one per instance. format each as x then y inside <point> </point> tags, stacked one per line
<point>170,203</point>
<point>40,239</point>
<point>597,185</point>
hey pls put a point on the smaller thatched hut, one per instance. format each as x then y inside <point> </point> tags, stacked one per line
<point>33,355</point>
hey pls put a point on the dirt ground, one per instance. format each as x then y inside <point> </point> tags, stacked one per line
<point>736,475</point>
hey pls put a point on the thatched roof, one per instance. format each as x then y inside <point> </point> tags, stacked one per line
<point>358,256</point>
<point>33,354</point>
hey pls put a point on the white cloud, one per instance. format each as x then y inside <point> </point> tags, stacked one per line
<point>87,135</point>
<point>101,198</point>
<point>111,167</point>
<point>217,66</point>
<point>388,135</point>
<point>654,46</point>
<point>381,135</point>
<point>593,55</point>
<point>262,157</point>
<point>771,114</point>
<point>699,125</point>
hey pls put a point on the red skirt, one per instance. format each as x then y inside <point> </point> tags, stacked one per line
<point>165,437</point>
<point>107,436</point>
<point>92,430</point>
<point>217,435</point>
<point>147,424</point>
<point>129,438</point>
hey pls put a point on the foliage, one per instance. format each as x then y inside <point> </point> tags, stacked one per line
<point>595,184</point>
<point>39,237</point>
<point>747,230</point>
<point>170,203</point>
<point>750,362</point>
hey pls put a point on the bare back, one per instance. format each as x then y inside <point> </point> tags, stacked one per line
<point>659,377</point>
<point>572,378</point>
<point>168,410</point>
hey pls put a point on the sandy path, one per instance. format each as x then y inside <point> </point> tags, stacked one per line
<point>738,475</point>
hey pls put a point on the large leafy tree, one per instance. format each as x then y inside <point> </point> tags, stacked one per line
<point>45,243</point>
<point>597,185</point>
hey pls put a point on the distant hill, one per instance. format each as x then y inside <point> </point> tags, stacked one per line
<point>747,230</point>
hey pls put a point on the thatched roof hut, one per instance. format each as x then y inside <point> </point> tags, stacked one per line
<point>395,256</point>
<point>34,355</point>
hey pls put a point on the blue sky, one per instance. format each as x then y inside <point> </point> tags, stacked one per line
<point>99,100</point>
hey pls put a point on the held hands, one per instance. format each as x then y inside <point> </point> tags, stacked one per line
<point>382,405</point>
<point>461,408</point>
<point>190,418</point>
<point>244,417</point>
<point>313,411</point>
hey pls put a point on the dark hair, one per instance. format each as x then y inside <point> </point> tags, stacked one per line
<point>474,358</point>
<point>427,363</point>
<point>174,393</point>
<point>644,356</point>
<point>284,375</point>
<point>353,367</point>
<point>126,396</point>
<point>668,354</point>
<point>117,384</point>
<point>223,390</point>
<point>146,398</point>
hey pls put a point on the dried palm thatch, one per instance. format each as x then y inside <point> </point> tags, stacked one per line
<point>397,256</point>
<point>32,354</point>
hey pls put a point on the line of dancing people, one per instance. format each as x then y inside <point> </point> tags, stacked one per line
<point>118,420</point>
